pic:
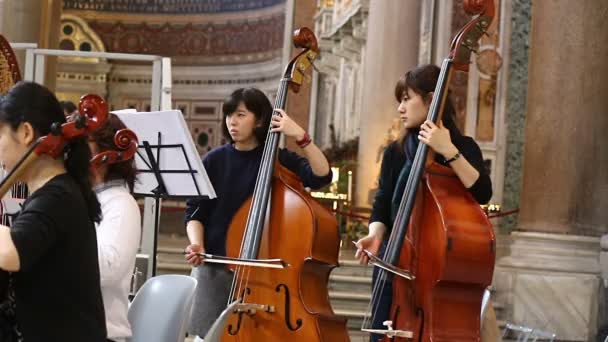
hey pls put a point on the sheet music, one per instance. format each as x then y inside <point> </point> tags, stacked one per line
<point>174,131</point>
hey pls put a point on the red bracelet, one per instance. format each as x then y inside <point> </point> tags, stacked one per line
<point>305,141</point>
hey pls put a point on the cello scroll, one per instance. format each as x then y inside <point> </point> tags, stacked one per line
<point>94,112</point>
<point>127,143</point>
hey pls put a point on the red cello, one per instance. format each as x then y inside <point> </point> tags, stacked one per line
<point>441,250</point>
<point>126,141</point>
<point>94,112</point>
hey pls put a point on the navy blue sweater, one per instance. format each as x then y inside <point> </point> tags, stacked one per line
<point>233,174</point>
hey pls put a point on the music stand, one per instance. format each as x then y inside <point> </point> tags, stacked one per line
<point>169,166</point>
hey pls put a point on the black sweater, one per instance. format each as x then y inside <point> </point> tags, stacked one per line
<point>393,160</point>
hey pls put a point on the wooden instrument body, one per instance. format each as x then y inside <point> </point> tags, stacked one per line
<point>450,248</point>
<point>303,234</point>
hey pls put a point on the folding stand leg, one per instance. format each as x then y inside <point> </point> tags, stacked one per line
<point>149,233</point>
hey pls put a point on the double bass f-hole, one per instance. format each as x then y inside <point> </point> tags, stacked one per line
<point>287,309</point>
<point>231,330</point>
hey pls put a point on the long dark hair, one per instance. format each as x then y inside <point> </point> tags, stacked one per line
<point>257,103</point>
<point>422,80</point>
<point>104,138</point>
<point>33,103</point>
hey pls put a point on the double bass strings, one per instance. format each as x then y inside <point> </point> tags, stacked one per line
<point>257,215</point>
<point>383,276</point>
<point>243,252</point>
<point>266,170</point>
<point>398,232</point>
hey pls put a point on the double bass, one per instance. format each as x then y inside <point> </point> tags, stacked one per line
<point>284,244</point>
<point>441,252</point>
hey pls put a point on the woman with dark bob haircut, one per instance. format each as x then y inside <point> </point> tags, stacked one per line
<point>414,92</point>
<point>233,169</point>
<point>51,247</point>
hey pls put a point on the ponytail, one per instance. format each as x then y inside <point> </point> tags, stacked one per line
<point>77,163</point>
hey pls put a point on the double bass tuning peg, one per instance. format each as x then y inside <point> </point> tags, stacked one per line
<point>306,76</point>
<point>471,48</point>
<point>483,27</point>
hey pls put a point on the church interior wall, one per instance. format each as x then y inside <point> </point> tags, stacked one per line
<point>215,49</point>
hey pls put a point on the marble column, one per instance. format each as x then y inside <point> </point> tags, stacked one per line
<point>298,105</point>
<point>2,14</point>
<point>392,49</point>
<point>33,21</point>
<point>551,278</point>
<point>517,93</point>
<point>567,120</point>
<point>49,37</point>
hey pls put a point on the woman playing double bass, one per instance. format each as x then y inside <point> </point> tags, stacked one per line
<point>232,169</point>
<point>51,247</point>
<point>414,92</point>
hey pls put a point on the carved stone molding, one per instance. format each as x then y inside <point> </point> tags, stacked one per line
<point>551,282</point>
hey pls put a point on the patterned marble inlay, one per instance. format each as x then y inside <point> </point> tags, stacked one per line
<point>516,108</point>
<point>261,36</point>
<point>551,282</point>
<point>169,6</point>
<point>563,304</point>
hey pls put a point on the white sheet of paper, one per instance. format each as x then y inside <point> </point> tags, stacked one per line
<point>174,131</point>
<point>122,111</point>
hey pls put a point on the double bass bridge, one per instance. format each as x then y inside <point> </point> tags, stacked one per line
<point>390,332</point>
<point>251,309</point>
<point>248,309</point>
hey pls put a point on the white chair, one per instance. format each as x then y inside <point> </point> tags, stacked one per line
<point>484,304</point>
<point>161,309</point>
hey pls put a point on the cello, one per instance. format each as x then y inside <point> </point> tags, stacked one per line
<point>94,112</point>
<point>284,245</point>
<point>126,146</point>
<point>441,251</point>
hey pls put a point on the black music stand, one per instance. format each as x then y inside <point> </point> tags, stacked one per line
<point>169,167</point>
